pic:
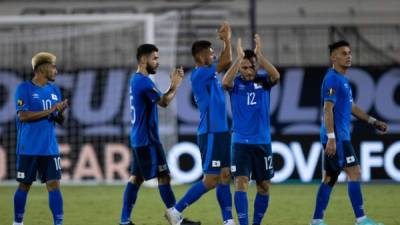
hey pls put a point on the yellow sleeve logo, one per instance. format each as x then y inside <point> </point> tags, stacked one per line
<point>331,92</point>
<point>20,102</point>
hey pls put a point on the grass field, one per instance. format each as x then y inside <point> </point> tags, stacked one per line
<point>290,205</point>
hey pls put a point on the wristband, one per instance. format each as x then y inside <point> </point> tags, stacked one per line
<point>331,135</point>
<point>371,120</point>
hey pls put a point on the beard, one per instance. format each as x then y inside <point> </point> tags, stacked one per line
<point>150,69</point>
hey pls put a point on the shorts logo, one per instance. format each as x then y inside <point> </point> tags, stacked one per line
<point>331,92</point>
<point>350,159</point>
<point>233,169</point>
<point>54,97</point>
<point>216,163</point>
<point>21,175</point>
<point>162,167</point>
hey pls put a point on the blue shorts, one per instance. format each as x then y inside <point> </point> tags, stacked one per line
<point>344,157</point>
<point>215,151</point>
<point>149,162</point>
<point>253,161</point>
<point>29,167</point>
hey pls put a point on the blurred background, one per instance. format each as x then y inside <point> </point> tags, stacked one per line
<point>95,43</point>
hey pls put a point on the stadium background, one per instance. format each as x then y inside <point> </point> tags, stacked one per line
<point>95,43</point>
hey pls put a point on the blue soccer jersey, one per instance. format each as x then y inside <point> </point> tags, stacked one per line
<point>36,137</point>
<point>336,89</point>
<point>250,108</point>
<point>210,99</point>
<point>144,96</point>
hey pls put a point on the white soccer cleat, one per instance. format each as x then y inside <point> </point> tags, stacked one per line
<point>15,223</point>
<point>173,216</point>
<point>229,222</point>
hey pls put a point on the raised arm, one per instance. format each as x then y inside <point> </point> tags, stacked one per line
<point>361,115</point>
<point>273,73</point>
<point>229,77</point>
<point>225,58</point>
<point>176,80</point>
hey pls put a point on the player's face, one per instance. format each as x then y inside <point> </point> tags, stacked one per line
<point>342,57</point>
<point>51,71</point>
<point>152,63</point>
<point>248,69</point>
<point>207,56</point>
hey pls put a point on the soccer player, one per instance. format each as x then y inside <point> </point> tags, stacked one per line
<point>338,106</point>
<point>251,138</point>
<point>39,106</point>
<point>148,154</point>
<point>213,133</point>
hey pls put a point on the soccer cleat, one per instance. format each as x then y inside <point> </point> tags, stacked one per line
<point>368,221</point>
<point>319,223</point>
<point>173,216</point>
<point>186,221</point>
<point>130,223</point>
<point>15,223</point>
<point>229,222</point>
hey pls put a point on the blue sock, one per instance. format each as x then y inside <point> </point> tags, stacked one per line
<point>260,207</point>
<point>192,195</point>
<point>19,205</point>
<point>56,206</point>
<point>224,197</point>
<point>355,195</point>
<point>129,199</point>
<point>323,195</point>
<point>242,207</point>
<point>167,195</point>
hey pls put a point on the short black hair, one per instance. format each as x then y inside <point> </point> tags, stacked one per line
<point>145,49</point>
<point>249,54</point>
<point>338,44</point>
<point>199,46</point>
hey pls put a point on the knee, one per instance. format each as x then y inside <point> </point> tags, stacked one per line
<point>263,187</point>
<point>225,176</point>
<point>53,185</point>
<point>136,180</point>
<point>354,173</point>
<point>330,179</point>
<point>165,179</point>
<point>24,187</point>
<point>241,183</point>
<point>210,181</point>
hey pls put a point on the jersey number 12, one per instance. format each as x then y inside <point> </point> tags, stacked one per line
<point>251,98</point>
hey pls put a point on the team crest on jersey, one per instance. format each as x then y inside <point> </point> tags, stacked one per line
<point>241,87</point>
<point>35,95</point>
<point>331,92</point>
<point>20,102</point>
<point>54,97</point>
<point>257,86</point>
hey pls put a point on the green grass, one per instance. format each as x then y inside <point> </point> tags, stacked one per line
<point>291,204</point>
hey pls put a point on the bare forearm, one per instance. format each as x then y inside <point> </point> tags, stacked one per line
<point>329,122</point>
<point>225,58</point>
<point>271,70</point>
<point>167,97</point>
<point>227,81</point>
<point>26,116</point>
<point>359,113</point>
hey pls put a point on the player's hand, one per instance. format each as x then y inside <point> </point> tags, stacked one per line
<point>177,77</point>
<point>61,106</point>
<point>380,126</point>
<point>239,49</point>
<point>258,48</point>
<point>225,32</point>
<point>330,148</point>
